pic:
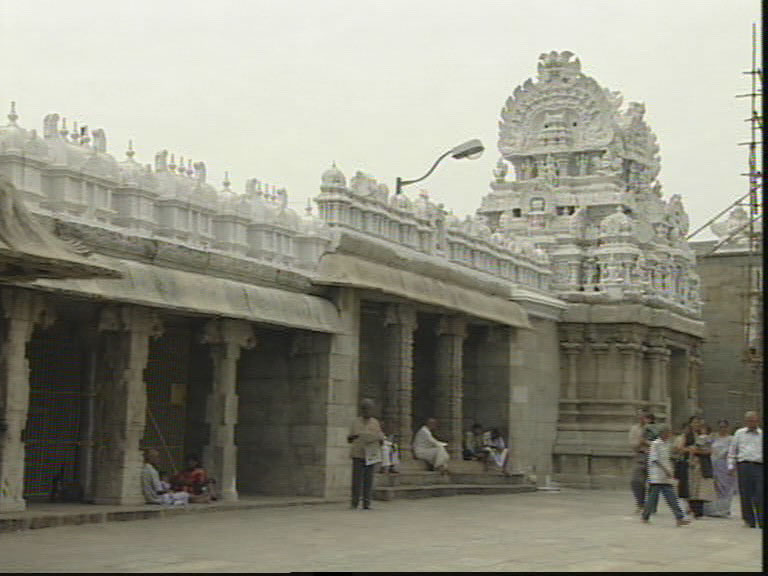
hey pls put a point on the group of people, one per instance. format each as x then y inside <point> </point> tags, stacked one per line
<point>698,466</point>
<point>369,446</point>
<point>487,446</point>
<point>192,485</point>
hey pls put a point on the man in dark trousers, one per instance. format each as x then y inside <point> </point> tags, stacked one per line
<point>745,456</point>
<point>365,437</point>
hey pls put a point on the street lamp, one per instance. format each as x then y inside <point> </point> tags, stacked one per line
<point>470,149</point>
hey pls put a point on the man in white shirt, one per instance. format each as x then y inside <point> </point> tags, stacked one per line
<point>426,447</point>
<point>660,478</point>
<point>746,457</point>
<point>155,491</point>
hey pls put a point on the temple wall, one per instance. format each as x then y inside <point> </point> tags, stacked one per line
<point>534,385</point>
<point>728,386</point>
<point>338,391</point>
<point>274,440</point>
<point>373,360</point>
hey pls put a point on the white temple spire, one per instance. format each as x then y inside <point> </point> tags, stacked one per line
<point>12,116</point>
<point>130,151</point>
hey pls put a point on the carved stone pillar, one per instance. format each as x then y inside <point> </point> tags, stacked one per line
<point>122,402</point>
<point>631,357</point>
<point>694,372</point>
<point>400,323</point>
<point>599,351</point>
<point>451,331</point>
<point>659,359</point>
<point>22,311</point>
<point>571,351</point>
<point>226,339</point>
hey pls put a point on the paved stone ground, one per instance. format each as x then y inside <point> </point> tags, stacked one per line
<point>569,530</point>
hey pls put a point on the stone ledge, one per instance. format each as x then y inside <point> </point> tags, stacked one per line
<point>76,514</point>
<point>391,492</point>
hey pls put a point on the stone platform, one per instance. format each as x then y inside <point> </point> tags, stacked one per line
<point>48,515</point>
<point>414,481</point>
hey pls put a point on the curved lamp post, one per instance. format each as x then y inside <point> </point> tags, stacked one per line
<point>470,149</point>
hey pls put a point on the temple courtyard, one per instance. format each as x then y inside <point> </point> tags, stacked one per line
<point>567,530</point>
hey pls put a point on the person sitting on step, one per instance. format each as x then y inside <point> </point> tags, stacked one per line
<point>194,481</point>
<point>155,492</point>
<point>476,444</point>
<point>499,452</point>
<point>390,451</point>
<point>426,447</point>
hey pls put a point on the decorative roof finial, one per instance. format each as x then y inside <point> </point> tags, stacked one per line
<point>308,209</point>
<point>190,169</point>
<point>226,183</point>
<point>130,151</point>
<point>13,116</point>
<point>172,163</point>
<point>182,168</point>
<point>63,132</point>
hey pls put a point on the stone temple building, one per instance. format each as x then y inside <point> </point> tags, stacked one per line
<point>143,306</point>
<point>732,286</point>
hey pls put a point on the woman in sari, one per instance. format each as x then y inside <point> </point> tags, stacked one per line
<point>680,455</point>
<point>725,483</point>
<point>193,480</point>
<point>701,484</point>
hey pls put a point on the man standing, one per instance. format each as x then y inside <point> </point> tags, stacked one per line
<point>428,448</point>
<point>660,478</point>
<point>746,457</point>
<point>639,443</point>
<point>365,437</point>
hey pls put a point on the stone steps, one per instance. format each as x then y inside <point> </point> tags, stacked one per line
<point>487,478</point>
<point>413,491</point>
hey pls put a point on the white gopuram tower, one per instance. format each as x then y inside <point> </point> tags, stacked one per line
<point>583,186</point>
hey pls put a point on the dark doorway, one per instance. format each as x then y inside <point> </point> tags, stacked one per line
<point>424,369</point>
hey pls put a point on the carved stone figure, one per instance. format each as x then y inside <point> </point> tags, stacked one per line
<point>161,161</point>
<point>51,126</point>
<point>99,140</point>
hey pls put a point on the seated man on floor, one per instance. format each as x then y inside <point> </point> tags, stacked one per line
<point>155,491</point>
<point>426,447</point>
<point>475,444</point>
<point>194,481</point>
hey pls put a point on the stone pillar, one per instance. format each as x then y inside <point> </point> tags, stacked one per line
<point>400,324</point>
<point>694,372</point>
<point>226,338</point>
<point>631,357</point>
<point>122,402</point>
<point>658,393</point>
<point>22,310</point>
<point>571,351</point>
<point>599,351</point>
<point>451,331</point>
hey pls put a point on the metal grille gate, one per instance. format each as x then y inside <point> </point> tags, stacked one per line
<point>53,432</point>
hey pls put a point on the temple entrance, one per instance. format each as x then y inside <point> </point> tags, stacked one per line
<point>486,378</point>
<point>424,369</point>
<point>373,356</point>
<point>56,429</point>
<point>178,380</point>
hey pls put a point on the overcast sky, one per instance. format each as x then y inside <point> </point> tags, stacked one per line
<point>277,90</point>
